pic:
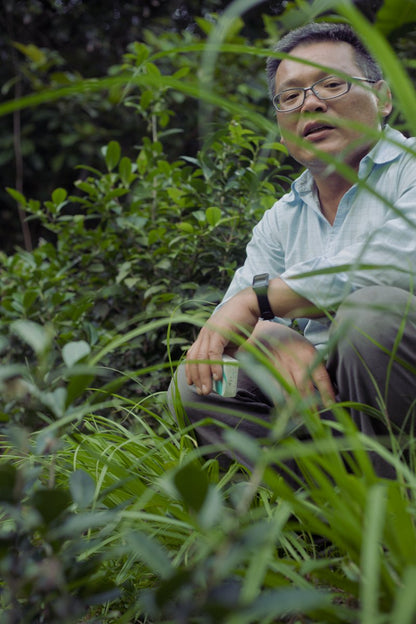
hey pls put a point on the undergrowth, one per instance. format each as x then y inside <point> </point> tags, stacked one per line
<point>110,512</point>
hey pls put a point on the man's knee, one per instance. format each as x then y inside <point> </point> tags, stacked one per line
<point>372,317</point>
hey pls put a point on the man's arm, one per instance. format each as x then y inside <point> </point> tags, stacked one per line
<point>383,253</point>
<point>386,257</point>
<point>239,315</point>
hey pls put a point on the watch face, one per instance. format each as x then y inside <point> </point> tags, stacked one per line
<point>260,287</point>
<point>261,280</point>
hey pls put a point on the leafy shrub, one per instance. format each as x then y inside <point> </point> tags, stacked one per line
<point>108,510</point>
<point>141,239</point>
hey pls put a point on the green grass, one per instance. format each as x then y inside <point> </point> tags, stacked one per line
<point>111,513</point>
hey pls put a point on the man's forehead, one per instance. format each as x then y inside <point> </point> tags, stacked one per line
<point>335,55</point>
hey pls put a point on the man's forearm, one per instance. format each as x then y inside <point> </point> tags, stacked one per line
<point>239,315</point>
<point>286,303</point>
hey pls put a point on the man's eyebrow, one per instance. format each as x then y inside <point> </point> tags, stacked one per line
<point>294,83</point>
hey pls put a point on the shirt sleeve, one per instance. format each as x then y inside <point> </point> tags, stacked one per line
<point>264,254</point>
<point>383,253</point>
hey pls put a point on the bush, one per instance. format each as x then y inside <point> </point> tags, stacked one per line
<point>109,511</point>
<point>142,240</point>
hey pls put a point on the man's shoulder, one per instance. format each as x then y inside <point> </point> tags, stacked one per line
<point>290,207</point>
<point>392,146</point>
<point>301,192</point>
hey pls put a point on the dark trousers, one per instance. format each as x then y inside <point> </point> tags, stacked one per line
<point>372,363</point>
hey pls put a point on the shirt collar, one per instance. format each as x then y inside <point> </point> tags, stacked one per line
<point>303,186</point>
<point>388,148</point>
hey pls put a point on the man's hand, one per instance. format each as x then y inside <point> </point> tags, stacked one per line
<point>296,359</point>
<point>239,315</point>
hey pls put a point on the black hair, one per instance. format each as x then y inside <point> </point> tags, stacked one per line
<point>323,31</point>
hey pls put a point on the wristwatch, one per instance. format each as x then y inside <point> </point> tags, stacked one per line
<point>260,287</point>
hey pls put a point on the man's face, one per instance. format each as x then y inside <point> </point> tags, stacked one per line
<point>312,122</point>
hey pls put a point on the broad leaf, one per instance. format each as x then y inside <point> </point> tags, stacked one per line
<point>73,352</point>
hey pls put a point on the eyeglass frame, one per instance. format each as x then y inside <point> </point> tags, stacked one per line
<point>311,88</point>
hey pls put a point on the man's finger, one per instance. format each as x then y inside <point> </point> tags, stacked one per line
<point>324,385</point>
<point>199,369</point>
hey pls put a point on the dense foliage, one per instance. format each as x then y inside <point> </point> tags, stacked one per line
<point>109,513</point>
<point>55,43</point>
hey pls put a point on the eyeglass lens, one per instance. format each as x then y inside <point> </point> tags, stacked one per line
<point>325,89</point>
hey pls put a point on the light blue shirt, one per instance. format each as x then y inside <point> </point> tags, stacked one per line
<point>372,240</point>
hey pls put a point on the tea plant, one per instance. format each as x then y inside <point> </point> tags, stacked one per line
<point>110,511</point>
<point>141,239</point>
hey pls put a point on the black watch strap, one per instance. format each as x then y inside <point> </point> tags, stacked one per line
<point>260,287</point>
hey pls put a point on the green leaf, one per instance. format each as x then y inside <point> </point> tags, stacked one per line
<point>371,553</point>
<point>123,271</point>
<point>150,552</point>
<point>205,25</point>
<point>213,215</point>
<point>125,170</point>
<point>405,603</point>
<point>186,227</point>
<point>112,154</point>
<point>146,99</point>
<point>141,52</point>
<point>33,334</point>
<point>142,162</point>
<point>32,52</point>
<point>391,17</point>
<point>82,487</point>
<point>192,484</point>
<point>56,401</point>
<point>132,222</point>
<point>233,27</point>
<point>18,197</point>
<point>59,195</point>
<point>210,513</point>
<point>400,524</point>
<point>181,73</point>
<point>82,522</point>
<point>76,386</point>
<point>89,189</point>
<point>29,299</point>
<point>73,352</point>
<point>131,282</point>
<point>11,371</point>
<point>153,70</point>
<point>274,145</point>
<point>199,215</point>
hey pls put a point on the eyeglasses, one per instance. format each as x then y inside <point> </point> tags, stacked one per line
<point>326,88</point>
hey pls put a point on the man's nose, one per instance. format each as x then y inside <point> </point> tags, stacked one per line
<point>312,100</point>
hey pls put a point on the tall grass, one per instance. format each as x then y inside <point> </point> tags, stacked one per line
<point>186,541</point>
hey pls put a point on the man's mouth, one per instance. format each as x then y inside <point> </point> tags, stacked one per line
<point>312,129</point>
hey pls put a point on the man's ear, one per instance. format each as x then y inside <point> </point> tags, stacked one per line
<point>384,96</point>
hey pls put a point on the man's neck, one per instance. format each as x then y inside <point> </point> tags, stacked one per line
<point>331,189</point>
<point>333,186</point>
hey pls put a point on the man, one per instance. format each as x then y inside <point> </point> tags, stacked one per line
<point>339,250</point>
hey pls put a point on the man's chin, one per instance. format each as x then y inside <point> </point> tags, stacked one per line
<point>321,159</point>
<point>312,160</point>
<point>318,152</point>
